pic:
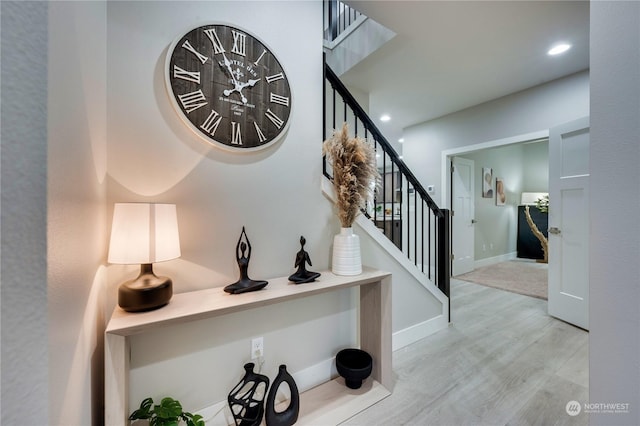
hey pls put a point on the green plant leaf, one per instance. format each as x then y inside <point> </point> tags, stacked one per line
<point>168,409</point>
<point>144,411</point>
<point>167,413</point>
<point>193,419</point>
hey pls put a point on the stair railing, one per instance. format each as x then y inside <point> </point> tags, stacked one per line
<point>338,16</point>
<point>402,209</point>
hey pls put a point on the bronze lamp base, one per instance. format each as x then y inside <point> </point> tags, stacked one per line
<point>145,293</point>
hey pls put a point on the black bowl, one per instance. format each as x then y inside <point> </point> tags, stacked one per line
<point>354,365</point>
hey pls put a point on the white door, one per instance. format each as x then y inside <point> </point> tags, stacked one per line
<point>569,222</point>
<point>462,187</point>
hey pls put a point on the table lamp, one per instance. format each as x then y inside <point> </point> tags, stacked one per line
<point>144,233</point>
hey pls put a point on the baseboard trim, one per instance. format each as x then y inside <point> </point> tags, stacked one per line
<point>496,259</point>
<point>418,331</point>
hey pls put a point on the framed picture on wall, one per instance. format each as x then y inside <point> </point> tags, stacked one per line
<point>501,195</point>
<point>487,182</point>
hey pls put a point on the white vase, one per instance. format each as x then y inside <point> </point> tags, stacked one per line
<point>346,253</point>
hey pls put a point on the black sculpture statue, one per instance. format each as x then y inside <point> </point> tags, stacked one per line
<point>302,275</point>
<point>246,400</point>
<point>244,284</point>
<point>288,416</point>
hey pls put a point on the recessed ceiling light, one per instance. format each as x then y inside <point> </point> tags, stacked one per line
<point>401,140</point>
<point>558,49</point>
<point>385,117</point>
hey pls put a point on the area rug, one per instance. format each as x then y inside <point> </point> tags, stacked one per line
<point>523,277</point>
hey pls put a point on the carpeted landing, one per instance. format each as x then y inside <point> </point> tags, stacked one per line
<point>518,276</point>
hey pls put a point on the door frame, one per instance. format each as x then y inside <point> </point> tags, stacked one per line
<point>447,156</point>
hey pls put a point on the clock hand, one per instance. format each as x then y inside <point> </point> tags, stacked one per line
<point>239,87</point>
<point>227,63</point>
<point>249,83</point>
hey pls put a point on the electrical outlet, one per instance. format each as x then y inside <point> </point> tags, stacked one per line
<point>257,348</point>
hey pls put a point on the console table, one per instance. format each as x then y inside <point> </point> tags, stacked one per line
<point>329,403</point>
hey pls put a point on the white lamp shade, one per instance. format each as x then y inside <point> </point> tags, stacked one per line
<point>144,233</point>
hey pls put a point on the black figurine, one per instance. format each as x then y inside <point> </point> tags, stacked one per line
<point>244,284</point>
<point>246,400</point>
<point>289,415</point>
<point>302,275</point>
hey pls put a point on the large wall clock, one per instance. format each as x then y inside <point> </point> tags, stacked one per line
<point>229,87</point>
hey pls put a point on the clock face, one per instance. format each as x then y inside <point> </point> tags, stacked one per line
<point>228,87</point>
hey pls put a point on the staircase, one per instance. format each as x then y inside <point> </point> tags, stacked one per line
<point>402,210</point>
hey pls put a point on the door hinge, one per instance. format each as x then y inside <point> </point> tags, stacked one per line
<point>453,213</point>
<point>453,256</point>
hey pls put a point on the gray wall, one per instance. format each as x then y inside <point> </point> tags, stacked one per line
<point>532,110</point>
<point>536,167</point>
<point>614,337</point>
<point>524,168</point>
<point>496,227</point>
<point>24,213</point>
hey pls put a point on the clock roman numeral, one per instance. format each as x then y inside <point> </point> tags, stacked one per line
<point>236,136</point>
<point>215,41</point>
<point>275,77</point>
<point>192,101</point>
<point>277,121</point>
<point>261,136</point>
<point>187,45</point>
<point>212,122</point>
<point>260,57</point>
<point>277,99</point>
<point>186,75</point>
<point>239,43</point>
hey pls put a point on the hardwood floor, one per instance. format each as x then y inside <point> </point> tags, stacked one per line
<point>502,361</point>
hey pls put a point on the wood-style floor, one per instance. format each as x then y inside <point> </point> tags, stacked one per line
<point>502,361</point>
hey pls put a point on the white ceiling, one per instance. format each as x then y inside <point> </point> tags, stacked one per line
<point>450,55</point>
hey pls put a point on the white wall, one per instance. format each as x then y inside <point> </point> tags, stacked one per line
<point>521,113</point>
<point>77,239</point>
<point>524,168</point>
<point>614,337</point>
<point>536,167</point>
<point>274,193</point>
<point>353,46</point>
<point>23,133</point>
<point>495,233</point>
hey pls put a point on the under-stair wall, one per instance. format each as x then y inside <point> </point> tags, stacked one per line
<point>419,307</point>
<point>398,233</point>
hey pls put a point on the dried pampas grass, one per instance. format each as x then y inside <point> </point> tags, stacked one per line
<point>354,173</point>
